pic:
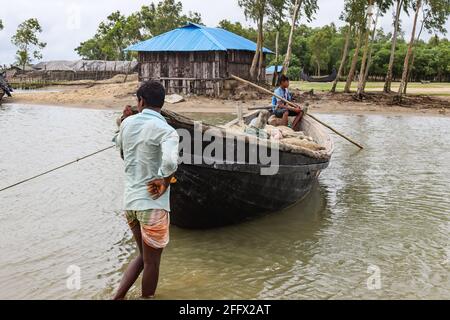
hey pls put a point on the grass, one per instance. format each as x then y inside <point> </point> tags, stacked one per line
<point>416,88</point>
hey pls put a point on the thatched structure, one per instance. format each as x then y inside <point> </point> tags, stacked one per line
<point>63,70</point>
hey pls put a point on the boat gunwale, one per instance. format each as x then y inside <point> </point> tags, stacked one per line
<point>223,130</point>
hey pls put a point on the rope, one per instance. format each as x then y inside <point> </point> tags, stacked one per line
<point>57,168</point>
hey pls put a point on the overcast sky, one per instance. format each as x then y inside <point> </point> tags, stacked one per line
<point>67,23</point>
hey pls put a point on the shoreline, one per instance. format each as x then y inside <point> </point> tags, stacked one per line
<point>114,96</point>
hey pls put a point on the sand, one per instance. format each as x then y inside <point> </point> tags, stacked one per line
<point>114,94</point>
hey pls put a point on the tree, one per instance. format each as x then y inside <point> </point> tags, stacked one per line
<point>120,31</point>
<point>113,35</point>
<point>165,16</point>
<point>348,15</point>
<point>27,42</point>
<point>256,10</point>
<point>398,9</point>
<point>1,25</point>
<point>435,14</point>
<point>364,61</point>
<point>417,5</point>
<point>277,12</point>
<point>318,44</point>
<point>309,7</point>
<point>357,19</point>
<point>238,29</point>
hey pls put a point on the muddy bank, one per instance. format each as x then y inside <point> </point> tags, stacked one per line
<point>115,94</point>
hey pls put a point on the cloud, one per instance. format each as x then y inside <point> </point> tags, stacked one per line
<point>67,23</point>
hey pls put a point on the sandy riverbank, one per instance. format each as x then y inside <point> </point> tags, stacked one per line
<point>114,96</point>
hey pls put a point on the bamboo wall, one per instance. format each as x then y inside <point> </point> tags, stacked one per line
<point>200,73</point>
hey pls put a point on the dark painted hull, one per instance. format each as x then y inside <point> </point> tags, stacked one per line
<point>205,197</point>
<point>329,78</point>
<point>215,195</point>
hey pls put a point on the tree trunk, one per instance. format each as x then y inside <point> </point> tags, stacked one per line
<point>261,54</point>
<point>318,69</point>
<point>388,82</point>
<point>255,62</point>
<point>287,59</point>
<point>351,73</point>
<point>408,77</point>
<point>369,58</point>
<point>277,57</point>
<point>408,54</point>
<point>362,71</point>
<point>343,60</point>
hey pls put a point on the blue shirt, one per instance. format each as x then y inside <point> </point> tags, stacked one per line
<point>284,93</point>
<point>150,150</point>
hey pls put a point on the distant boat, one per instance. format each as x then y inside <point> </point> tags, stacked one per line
<point>329,78</point>
<point>215,195</point>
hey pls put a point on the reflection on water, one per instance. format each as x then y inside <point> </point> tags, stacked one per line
<point>386,206</point>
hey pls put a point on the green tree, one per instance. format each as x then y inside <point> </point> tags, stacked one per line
<point>357,18</point>
<point>350,15</point>
<point>256,10</point>
<point>28,44</point>
<point>435,14</point>
<point>165,16</point>
<point>318,43</point>
<point>417,6</point>
<point>238,29</point>
<point>276,17</point>
<point>120,31</point>
<point>398,9</point>
<point>309,8</point>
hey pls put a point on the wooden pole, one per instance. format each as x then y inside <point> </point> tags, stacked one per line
<point>297,106</point>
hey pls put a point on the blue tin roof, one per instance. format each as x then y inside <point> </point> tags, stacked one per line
<point>271,70</point>
<point>194,37</point>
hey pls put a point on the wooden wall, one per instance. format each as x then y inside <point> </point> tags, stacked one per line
<point>201,73</point>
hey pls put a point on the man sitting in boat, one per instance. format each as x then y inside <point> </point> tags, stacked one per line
<point>281,110</point>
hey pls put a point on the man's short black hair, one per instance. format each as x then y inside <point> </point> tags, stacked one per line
<point>153,94</point>
<point>284,78</point>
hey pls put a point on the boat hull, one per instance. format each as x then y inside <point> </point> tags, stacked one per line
<point>205,197</point>
<point>213,192</point>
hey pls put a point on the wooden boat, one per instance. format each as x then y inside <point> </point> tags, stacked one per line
<point>329,78</point>
<point>220,194</point>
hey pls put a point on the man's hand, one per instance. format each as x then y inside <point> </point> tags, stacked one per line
<point>127,112</point>
<point>158,187</point>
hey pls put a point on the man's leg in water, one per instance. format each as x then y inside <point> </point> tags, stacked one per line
<point>134,269</point>
<point>152,260</point>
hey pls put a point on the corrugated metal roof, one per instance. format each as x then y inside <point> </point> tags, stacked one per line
<point>271,70</point>
<point>193,37</point>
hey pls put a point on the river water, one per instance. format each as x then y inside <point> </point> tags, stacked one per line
<point>376,225</point>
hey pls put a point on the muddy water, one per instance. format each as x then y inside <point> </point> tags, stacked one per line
<point>385,210</point>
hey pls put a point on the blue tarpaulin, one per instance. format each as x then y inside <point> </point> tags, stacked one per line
<point>193,37</point>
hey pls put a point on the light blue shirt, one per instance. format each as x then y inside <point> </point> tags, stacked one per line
<point>150,150</point>
<point>284,93</point>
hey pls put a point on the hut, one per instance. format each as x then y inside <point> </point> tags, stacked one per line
<point>195,59</point>
<point>62,70</point>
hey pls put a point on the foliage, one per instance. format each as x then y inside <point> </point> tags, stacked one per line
<point>120,31</point>
<point>28,44</point>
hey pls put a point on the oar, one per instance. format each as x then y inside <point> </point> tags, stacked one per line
<point>297,106</point>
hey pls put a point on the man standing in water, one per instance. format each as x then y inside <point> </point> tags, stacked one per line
<point>150,151</point>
